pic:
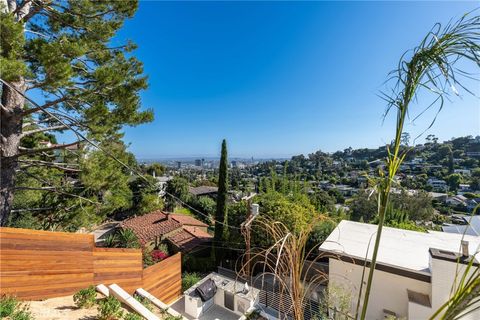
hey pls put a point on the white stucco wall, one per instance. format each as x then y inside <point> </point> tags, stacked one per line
<point>443,277</point>
<point>417,311</point>
<point>389,291</point>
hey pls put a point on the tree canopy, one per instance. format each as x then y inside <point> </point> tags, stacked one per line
<point>63,52</point>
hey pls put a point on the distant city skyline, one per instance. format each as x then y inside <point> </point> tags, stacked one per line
<point>278,79</point>
<point>192,158</point>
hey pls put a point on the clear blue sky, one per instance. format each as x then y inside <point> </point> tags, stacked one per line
<point>279,78</point>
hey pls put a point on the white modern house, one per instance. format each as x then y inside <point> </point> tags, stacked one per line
<point>414,272</point>
<point>437,184</point>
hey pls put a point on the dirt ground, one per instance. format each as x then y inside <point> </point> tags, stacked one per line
<point>64,308</point>
<point>60,308</point>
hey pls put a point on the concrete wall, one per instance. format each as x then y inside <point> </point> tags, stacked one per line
<point>389,291</point>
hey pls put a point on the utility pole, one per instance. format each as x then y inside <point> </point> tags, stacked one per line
<point>253,211</point>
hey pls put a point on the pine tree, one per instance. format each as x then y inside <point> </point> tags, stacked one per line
<point>62,51</point>
<point>221,212</point>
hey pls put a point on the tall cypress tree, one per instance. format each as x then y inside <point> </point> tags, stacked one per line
<point>221,212</point>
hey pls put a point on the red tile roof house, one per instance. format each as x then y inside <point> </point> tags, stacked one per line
<point>183,232</point>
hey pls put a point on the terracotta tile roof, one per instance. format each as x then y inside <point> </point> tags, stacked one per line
<point>151,225</point>
<point>187,220</point>
<point>198,232</point>
<point>185,240</point>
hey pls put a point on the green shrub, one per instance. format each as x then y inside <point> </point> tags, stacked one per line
<point>122,238</point>
<point>132,316</point>
<point>12,308</point>
<point>22,314</point>
<point>144,301</point>
<point>85,298</point>
<point>170,317</point>
<point>109,309</point>
<point>191,263</point>
<point>163,247</point>
<point>111,241</point>
<point>8,304</point>
<point>189,279</point>
<point>128,239</point>
<point>147,257</point>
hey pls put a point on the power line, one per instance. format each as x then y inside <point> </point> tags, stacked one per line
<point>197,211</point>
<point>79,134</point>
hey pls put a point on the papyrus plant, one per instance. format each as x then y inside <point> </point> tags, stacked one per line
<point>295,278</point>
<point>435,68</point>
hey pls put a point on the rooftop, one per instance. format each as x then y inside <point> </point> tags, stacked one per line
<point>399,248</point>
<point>187,220</point>
<point>151,225</point>
<point>471,229</point>
<point>202,190</point>
<point>188,238</point>
<point>183,231</point>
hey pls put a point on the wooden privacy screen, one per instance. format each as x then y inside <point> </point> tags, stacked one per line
<point>164,279</point>
<point>38,265</point>
<point>121,266</point>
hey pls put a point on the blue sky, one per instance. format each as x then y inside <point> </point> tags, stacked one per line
<point>280,78</point>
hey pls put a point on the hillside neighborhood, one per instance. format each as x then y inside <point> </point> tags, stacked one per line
<point>99,221</point>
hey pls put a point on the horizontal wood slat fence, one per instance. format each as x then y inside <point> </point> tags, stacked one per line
<point>164,279</point>
<point>37,265</point>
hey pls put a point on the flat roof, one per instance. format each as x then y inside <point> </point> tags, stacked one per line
<point>398,248</point>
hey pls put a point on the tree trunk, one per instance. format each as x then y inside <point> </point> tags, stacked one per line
<point>11,130</point>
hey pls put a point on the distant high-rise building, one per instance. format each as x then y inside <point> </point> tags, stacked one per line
<point>198,162</point>
<point>179,164</point>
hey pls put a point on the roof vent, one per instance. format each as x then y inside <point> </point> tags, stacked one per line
<point>464,244</point>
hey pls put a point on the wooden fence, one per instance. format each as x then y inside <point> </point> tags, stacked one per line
<point>121,266</point>
<point>38,265</point>
<point>164,279</point>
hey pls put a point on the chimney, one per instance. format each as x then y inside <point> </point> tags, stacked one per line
<point>465,248</point>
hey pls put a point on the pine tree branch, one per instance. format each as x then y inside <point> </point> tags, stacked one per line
<point>26,151</point>
<point>44,106</point>
<point>35,188</point>
<point>59,166</point>
<point>54,190</point>
<point>27,133</point>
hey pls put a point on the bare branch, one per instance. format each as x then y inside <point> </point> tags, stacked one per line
<point>27,133</point>
<point>44,106</point>
<point>59,166</point>
<point>26,151</point>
